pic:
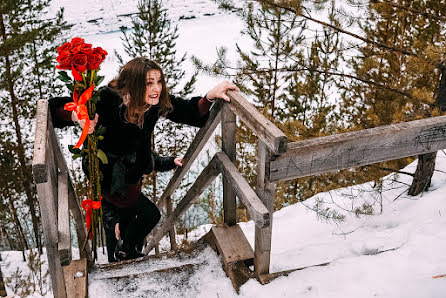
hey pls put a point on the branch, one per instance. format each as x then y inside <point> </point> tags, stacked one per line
<point>336,28</point>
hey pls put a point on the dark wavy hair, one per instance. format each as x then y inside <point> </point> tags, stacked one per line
<point>131,86</point>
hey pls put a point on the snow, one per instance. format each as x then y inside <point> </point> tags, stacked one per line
<point>390,254</point>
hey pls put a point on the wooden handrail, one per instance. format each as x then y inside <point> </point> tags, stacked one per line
<point>57,198</point>
<point>258,212</point>
<point>201,183</point>
<point>40,172</point>
<point>264,129</point>
<point>358,148</point>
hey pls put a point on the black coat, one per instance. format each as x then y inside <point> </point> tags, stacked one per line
<point>128,147</point>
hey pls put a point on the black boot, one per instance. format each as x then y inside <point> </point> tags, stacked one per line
<point>126,252</point>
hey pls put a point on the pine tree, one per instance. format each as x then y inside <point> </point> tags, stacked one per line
<point>27,67</point>
<point>410,81</point>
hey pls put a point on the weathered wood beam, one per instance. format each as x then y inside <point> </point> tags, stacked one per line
<point>39,167</point>
<point>201,183</point>
<point>76,279</point>
<point>64,244</point>
<point>273,137</point>
<point>194,149</point>
<point>266,192</point>
<point>258,212</point>
<point>228,133</point>
<point>358,148</point>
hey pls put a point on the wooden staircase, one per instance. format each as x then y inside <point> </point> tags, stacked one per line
<point>277,160</point>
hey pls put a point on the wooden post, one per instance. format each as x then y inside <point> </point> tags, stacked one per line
<point>228,133</point>
<point>63,217</point>
<point>173,242</point>
<point>48,216</point>
<point>266,193</point>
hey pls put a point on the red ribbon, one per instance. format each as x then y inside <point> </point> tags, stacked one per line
<point>79,106</point>
<point>88,205</point>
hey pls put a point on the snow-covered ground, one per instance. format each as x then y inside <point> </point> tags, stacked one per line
<point>393,254</point>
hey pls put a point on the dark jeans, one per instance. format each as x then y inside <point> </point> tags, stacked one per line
<point>135,223</point>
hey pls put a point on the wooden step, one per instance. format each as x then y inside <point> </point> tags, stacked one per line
<point>237,254</point>
<point>76,278</point>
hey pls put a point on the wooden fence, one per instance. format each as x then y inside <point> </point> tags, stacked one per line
<point>277,160</point>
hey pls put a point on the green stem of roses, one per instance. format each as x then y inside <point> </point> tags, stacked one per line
<point>92,73</point>
<point>94,181</point>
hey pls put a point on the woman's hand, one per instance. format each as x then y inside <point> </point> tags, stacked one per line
<point>82,122</point>
<point>117,231</point>
<point>178,161</point>
<point>220,90</point>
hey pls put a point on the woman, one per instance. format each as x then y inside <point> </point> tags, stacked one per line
<point>129,109</point>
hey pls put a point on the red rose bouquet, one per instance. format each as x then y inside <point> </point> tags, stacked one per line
<point>84,61</point>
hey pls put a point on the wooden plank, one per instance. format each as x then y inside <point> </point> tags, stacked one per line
<point>64,244</point>
<point>192,152</point>
<point>228,132</point>
<point>173,242</point>
<point>79,224</point>
<point>266,193</point>
<point>48,213</point>
<point>76,279</point>
<point>201,183</point>
<point>232,244</point>
<point>272,136</point>
<point>39,156</point>
<point>358,148</point>
<point>255,207</point>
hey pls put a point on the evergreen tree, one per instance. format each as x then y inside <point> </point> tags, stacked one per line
<point>27,63</point>
<point>410,81</point>
<point>289,80</point>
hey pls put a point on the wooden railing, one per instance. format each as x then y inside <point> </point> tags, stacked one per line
<point>259,204</point>
<point>277,160</point>
<point>56,198</point>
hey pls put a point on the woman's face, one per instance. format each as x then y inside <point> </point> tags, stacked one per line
<point>153,87</point>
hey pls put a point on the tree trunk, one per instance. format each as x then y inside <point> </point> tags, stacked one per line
<point>24,169</point>
<point>2,285</point>
<point>423,174</point>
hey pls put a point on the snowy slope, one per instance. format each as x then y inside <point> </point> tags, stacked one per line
<point>393,254</point>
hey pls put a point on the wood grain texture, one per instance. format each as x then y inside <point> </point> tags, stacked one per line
<point>232,244</point>
<point>358,148</point>
<point>48,213</point>
<point>64,233</point>
<point>258,212</point>
<point>266,192</point>
<point>40,141</point>
<point>76,279</point>
<point>264,129</point>
<point>192,152</point>
<point>228,132</point>
<point>173,242</point>
<point>201,183</point>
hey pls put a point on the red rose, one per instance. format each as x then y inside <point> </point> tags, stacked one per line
<point>76,49</point>
<point>76,41</point>
<point>100,51</point>
<point>94,60</point>
<point>86,49</point>
<point>64,60</point>
<point>65,47</point>
<point>80,62</point>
